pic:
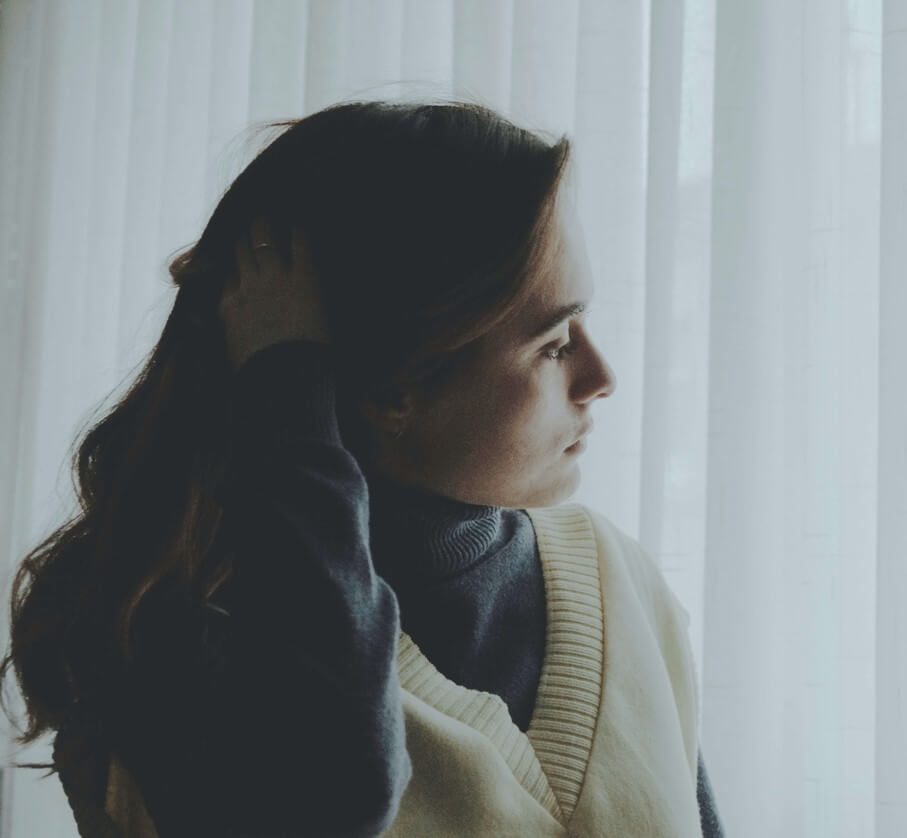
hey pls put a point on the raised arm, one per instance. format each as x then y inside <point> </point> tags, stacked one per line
<point>285,717</point>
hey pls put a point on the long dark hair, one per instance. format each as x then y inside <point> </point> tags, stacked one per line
<point>426,223</point>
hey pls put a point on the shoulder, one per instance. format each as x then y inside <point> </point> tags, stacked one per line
<point>639,606</point>
<point>617,553</point>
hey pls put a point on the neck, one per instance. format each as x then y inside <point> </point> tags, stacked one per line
<point>421,536</point>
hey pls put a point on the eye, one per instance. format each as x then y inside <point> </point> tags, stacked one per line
<point>561,352</point>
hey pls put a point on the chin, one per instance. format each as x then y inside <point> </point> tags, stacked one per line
<point>554,493</point>
<point>547,488</point>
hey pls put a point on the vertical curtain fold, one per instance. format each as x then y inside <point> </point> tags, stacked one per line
<point>743,190</point>
<point>890,641</point>
<point>610,140</point>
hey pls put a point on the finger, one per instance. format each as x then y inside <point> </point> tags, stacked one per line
<point>299,251</point>
<point>296,244</point>
<point>260,242</point>
<point>246,268</point>
<point>265,249</point>
<point>260,233</point>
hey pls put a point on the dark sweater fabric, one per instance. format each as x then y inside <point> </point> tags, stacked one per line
<point>277,711</point>
<point>469,584</point>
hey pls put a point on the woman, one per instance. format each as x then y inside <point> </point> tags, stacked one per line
<point>320,585</point>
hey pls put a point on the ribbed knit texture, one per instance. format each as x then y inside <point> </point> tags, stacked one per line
<point>427,536</point>
<point>563,723</point>
<point>618,757</point>
<point>470,587</point>
<point>474,592</point>
<point>569,694</point>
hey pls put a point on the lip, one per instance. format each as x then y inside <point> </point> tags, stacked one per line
<point>575,445</point>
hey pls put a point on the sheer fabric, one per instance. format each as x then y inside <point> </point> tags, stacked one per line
<point>742,182</point>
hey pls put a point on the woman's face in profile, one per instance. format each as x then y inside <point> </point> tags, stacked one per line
<point>500,431</point>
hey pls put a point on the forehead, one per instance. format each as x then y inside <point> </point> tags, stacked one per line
<point>566,279</point>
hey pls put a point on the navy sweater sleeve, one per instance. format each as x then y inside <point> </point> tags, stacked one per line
<point>708,812</point>
<point>286,717</point>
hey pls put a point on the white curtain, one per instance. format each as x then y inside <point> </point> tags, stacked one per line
<point>743,187</point>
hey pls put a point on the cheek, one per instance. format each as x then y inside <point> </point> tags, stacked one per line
<point>508,415</point>
<point>520,412</point>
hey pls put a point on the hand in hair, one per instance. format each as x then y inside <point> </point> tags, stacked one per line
<point>270,301</point>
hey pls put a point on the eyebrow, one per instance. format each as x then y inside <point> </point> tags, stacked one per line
<point>555,318</point>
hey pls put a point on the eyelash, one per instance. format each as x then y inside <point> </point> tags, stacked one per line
<point>560,352</point>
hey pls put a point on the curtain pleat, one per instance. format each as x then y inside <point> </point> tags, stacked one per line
<point>483,45</point>
<point>610,136</point>
<point>741,177</point>
<point>888,645</point>
<point>675,399</point>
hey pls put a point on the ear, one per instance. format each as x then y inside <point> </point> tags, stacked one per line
<point>388,409</point>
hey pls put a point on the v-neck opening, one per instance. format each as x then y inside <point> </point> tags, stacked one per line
<point>551,758</point>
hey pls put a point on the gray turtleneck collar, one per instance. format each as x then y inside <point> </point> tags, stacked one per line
<point>469,583</point>
<point>421,537</point>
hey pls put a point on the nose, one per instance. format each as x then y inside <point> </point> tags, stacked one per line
<point>596,379</point>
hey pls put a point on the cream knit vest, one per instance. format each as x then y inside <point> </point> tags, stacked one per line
<point>612,746</point>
